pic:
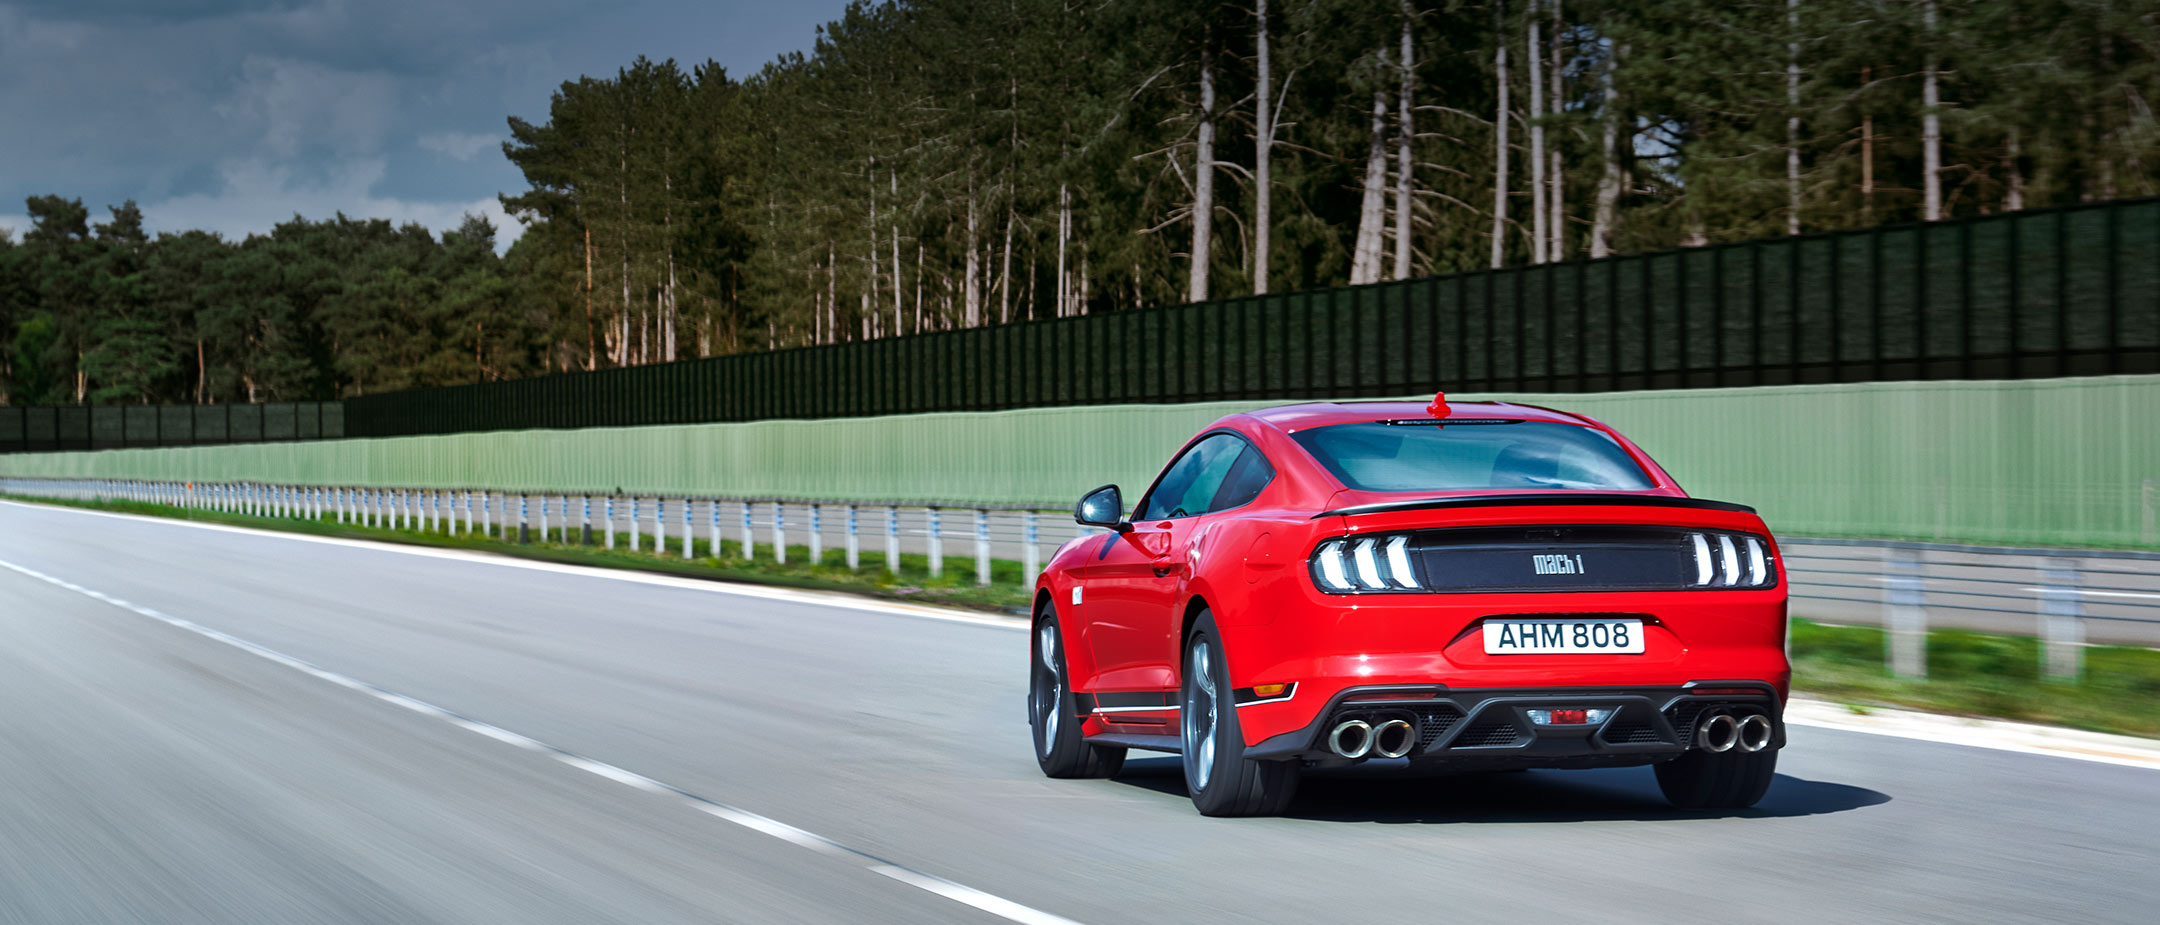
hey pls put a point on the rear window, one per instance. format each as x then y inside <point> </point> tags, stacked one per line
<point>1422,456</point>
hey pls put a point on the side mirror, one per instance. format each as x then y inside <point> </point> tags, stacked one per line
<point>1103,507</point>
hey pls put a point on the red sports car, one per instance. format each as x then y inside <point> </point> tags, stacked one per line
<point>1470,586</point>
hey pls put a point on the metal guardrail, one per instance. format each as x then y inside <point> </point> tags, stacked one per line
<point>2066,597</point>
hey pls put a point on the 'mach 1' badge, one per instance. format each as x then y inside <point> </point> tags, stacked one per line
<point>1557,564</point>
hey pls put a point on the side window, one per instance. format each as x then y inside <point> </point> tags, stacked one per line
<point>1251,474</point>
<point>1190,486</point>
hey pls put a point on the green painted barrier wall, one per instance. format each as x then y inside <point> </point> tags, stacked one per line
<point>2056,461</point>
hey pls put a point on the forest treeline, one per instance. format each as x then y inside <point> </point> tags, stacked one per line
<point>933,164</point>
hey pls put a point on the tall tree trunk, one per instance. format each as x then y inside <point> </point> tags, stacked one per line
<point>1263,156</point>
<point>1064,233</point>
<point>1608,188</point>
<point>1405,169</point>
<point>1556,200</point>
<point>1500,133</point>
<point>669,315</point>
<point>971,295</point>
<point>1372,209</point>
<point>592,358</point>
<point>1867,154</point>
<point>2014,187</point>
<point>622,233</point>
<point>1930,125</point>
<point>898,297</point>
<point>832,292</point>
<point>1533,53</point>
<point>1792,117</point>
<point>918,285</point>
<point>1203,208</point>
<point>1005,274</point>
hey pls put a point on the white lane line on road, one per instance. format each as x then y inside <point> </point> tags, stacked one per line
<point>711,586</point>
<point>987,902</point>
<point>995,905</point>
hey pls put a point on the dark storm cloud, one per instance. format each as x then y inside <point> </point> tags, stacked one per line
<point>235,115</point>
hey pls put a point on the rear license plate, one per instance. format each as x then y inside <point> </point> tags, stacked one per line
<point>1533,637</point>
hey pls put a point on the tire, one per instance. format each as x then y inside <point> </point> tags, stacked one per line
<point>1731,780</point>
<point>1221,780</point>
<point>1053,712</point>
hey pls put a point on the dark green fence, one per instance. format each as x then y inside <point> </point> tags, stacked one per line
<point>2059,292</point>
<point>101,427</point>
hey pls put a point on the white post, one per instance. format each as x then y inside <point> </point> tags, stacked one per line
<point>817,537</point>
<point>1030,548</point>
<point>749,535</point>
<point>892,539</point>
<point>712,542</point>
<point>635,527</point>
<point>487,514</point>
<point>1907,620</point>
<point>611,521</point>
<point>937,545</point>
<point>543,518</point>
<point>2062,624</point>
<point>854,541</point>
<point>586,518</point>
<point>687,532</point>
<point>982,547</point>
<point>779,533</point>
<point>659,526</point>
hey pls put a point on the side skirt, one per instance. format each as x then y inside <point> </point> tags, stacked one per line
<point>1153,743</point>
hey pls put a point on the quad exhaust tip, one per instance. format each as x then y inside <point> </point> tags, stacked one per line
<point>1351,738</point>
<point>1718,734</point>
<point>1725,732</point>
<point>1393,739</point>
<point>1755,733</point>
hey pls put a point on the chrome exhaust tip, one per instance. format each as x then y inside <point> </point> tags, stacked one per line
<point>1393,739</point>
<point>1718,734</point>
<point>1351,738</point>
<point>1755,733</point>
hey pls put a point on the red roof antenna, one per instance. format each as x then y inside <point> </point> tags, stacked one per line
<point>1439,407</point>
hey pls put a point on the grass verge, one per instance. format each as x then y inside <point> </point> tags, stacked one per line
<point>1971,674</point>
<point>1982,674</point>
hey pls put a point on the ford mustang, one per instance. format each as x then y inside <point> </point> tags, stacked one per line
<point>1469,586</point>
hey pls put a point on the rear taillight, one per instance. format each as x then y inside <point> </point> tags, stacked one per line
<point>1730,560</point>
<point>1365,563</point>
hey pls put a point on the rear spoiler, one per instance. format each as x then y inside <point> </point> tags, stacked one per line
<point>1552,499</point>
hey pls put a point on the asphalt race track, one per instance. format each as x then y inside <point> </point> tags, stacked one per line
<point>428,738</point>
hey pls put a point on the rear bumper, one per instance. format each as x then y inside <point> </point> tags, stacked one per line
<point>1490,726</point>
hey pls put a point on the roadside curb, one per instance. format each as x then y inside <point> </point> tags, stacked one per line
<point>2003,735</point>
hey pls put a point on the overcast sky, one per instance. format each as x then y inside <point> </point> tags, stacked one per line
<point>233,115</point>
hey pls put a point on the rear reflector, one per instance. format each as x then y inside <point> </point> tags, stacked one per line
<point>1572,716</point>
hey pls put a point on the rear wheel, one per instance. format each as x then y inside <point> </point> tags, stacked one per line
<point>1726,780</point>
<point>1059,747</point>
<point>1222,781</point>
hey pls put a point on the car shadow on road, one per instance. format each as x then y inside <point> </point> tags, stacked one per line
<point>1390,795</point>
